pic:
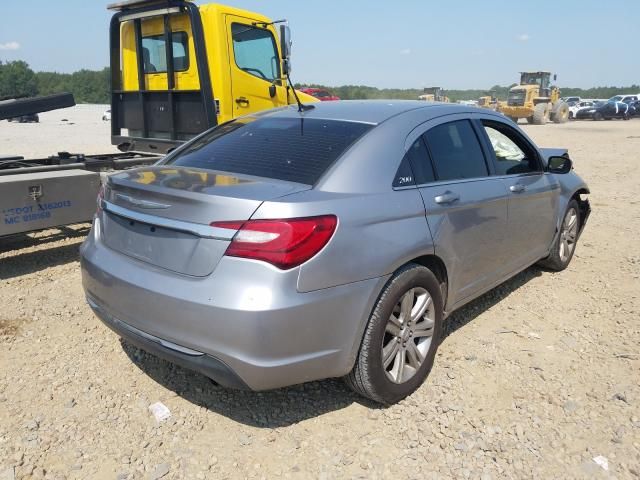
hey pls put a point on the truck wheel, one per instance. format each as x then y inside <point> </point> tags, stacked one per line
<point>560,112</point>
<point>540,114</point>
<point>401,338</point>
<point>565,243</point>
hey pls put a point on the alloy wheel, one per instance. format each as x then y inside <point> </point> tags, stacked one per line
<point>568,234</point>
<point>408,335</point>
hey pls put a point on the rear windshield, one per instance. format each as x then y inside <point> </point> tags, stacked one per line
<point>292,149</point>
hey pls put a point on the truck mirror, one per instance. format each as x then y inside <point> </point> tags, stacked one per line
<point>285,42</point>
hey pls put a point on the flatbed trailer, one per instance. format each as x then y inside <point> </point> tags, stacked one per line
<point>59,190</point>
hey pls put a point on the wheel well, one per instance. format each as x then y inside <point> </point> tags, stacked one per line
<point>437,266</point>
<point>583,205</point>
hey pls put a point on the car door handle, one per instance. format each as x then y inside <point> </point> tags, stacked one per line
<point>517,188</point>
<point>447,197</point>
<point>242,101</point>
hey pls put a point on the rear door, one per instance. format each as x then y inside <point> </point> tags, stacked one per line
<point>533,195</point>
<point>255,67</point>
<point>466,209</point>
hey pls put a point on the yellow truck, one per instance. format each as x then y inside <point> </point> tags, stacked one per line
<point>179,69</point>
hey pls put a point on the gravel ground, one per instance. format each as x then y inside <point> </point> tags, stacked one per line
<point>534,380</point>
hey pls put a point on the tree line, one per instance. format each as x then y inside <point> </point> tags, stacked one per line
<point>92,86</point>
<point>357,92</point>
<point>87,86</point>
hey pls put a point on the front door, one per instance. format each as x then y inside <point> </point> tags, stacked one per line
<point>255,67</point>
<point>533,195</point>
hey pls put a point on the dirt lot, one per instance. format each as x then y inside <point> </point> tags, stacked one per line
<point>533,380</point>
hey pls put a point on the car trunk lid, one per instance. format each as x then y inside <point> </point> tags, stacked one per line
<point>162,215</point>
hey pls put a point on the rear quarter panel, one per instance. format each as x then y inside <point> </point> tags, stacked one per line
<point>376,234</point>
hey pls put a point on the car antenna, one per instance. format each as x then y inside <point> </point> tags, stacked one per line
<point>301,106</point>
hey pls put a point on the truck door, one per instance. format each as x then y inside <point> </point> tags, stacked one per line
<point>255,67</point>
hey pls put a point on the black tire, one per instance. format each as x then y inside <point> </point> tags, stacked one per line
<point>530,120</point>
<point>560,113</point>
<point>540,113</point>
<point>368,376</point>
<point>555,261</point>
<point>597,116</point>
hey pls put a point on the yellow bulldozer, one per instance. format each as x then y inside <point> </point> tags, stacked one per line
<point>434,94</point>
<point>536,100</point>
<point>489,101</point>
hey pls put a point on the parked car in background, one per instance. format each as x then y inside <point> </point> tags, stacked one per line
<point>106,116</point>
<point>624,98</point>
<point>577,106</point>
<point>31,118</point>
<point>287,247</point>
<point>571,100</point>
<point>606,111</point>
<point>320,94</point>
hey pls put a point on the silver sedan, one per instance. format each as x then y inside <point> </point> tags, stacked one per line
<point>286,247</point>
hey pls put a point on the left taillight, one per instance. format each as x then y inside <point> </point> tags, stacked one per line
<point>284,243</point>
<point>99,199</point>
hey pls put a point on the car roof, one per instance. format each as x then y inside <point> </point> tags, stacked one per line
<point>370,111</point>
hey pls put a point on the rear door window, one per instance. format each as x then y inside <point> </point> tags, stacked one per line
<point>455,151</point>
<point>292,149</point>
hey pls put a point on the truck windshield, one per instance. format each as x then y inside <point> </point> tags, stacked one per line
<point>291,149</point>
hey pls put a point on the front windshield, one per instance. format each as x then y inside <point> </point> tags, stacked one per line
<point>617,98</point>
<point>531,79</point>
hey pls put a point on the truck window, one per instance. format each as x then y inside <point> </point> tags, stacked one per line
<point>155,56</point>
<point>255,51</point>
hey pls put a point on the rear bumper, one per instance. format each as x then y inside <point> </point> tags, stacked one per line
<point>244,326</point>
<point>191,359</point>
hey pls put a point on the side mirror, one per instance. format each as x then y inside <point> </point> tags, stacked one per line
<point>285,48</point>
<point>560,165</point>
<point>555,77</point>
<point>285,42</point>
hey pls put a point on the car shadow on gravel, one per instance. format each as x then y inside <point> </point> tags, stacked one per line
<point>469,312</point>
<point>287,406</point>
<point>271,409</point>
<point>34,261</point>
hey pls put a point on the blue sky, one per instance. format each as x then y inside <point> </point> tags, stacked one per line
<point>406,43</point>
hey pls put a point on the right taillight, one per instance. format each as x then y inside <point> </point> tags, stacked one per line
<point>284,243</point>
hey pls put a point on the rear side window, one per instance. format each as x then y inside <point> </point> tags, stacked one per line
<point>415,168</point>
<point>292,149</point>
<point>455,151</point>
<point>154,54</point>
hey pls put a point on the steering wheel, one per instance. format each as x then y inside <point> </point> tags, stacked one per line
<point>258,72</point>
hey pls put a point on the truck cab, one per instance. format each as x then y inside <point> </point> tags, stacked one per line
<point>179,69</point>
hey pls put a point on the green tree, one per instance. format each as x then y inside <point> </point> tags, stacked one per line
<point>17,80</point>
